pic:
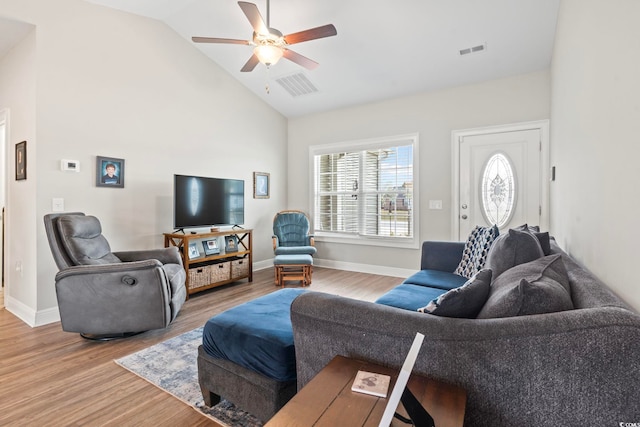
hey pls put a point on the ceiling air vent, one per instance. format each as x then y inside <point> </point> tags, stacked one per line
<point>474,49</point>
<point>297,84</point>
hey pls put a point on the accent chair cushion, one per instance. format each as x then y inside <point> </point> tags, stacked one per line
<point>83,241</point>
<point>465,301</point>
<point>476,250</point>
<point>536,287</point>
<point>511,249</point>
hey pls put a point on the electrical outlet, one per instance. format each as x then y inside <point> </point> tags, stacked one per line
<point>57,204</point>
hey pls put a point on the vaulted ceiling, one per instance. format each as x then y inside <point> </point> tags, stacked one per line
<point>383,49</point>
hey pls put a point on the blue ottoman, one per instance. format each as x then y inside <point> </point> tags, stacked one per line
<point>294,267</point>
<point>247,355</point>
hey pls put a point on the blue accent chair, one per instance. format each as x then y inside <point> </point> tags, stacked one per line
<point>291,234</point>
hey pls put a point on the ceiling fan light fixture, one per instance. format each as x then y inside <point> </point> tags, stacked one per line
<point>268,54</point>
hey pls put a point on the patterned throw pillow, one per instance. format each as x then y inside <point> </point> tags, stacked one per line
<point>475,250</point>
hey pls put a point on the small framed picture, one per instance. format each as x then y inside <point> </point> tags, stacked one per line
<point>109,172</point>
<point>193,250</point>
<point>21,160</point>
<point>211,247</point>
<point>260,185</point>
<point>231,243</point>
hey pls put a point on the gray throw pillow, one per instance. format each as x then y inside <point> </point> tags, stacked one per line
<point>465,301</point>
<point>540,286</point>
<point>474,254</point>
<point>511,249</point>
<point>543,237</point>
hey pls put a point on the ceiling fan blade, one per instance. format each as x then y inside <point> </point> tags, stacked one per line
<point>311,34</point>
<point>218,40</point>
<point>300,60</point>
<point>251,64</point>
<point>253,15</point>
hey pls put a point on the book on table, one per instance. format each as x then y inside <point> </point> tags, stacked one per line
<point>371,383</point>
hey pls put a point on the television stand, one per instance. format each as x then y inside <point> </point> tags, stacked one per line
<point>219,268</point>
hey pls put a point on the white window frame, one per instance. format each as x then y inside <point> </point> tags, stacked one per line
<point>361,145</point>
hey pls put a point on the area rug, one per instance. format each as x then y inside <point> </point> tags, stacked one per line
<point>172,366</point>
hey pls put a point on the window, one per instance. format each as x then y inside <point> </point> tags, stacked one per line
<point>498,190</point>
<point>365,190</point>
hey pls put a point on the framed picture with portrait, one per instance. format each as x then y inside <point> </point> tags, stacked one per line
<point>211,247</point>
<point>231,243</point>
<point>109,172</point>
<point>21,160</point>
<point>193,250</point>
<point>261,185</point>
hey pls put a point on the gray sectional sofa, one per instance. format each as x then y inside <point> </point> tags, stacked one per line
<point>577,367</point>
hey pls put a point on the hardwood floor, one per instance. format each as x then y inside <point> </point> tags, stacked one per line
<point>53,378</point>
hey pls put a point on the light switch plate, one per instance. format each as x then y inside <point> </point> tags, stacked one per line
<point>435,204</point>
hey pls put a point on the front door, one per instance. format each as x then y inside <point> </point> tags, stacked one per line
<point>500,179</point>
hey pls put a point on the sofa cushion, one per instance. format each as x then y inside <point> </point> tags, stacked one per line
<point>543,237</point>
<point>475,250</point>
<point>436,279</point>
<point>540,286</point>
<point>409,297</point>
<point>465,301</point>
<point>511,249</point>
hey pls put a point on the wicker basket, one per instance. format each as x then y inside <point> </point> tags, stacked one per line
<point>220,272</point>
<point>239,268</point>
<point>199,276</point>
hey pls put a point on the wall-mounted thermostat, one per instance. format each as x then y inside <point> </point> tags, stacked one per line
<point>70,165</point>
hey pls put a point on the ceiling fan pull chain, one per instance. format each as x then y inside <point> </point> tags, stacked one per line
<point>266,85</point>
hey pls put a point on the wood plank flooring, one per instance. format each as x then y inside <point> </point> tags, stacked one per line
<point>53,378</point>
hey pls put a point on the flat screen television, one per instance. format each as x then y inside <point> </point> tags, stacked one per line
<point>204,202</point>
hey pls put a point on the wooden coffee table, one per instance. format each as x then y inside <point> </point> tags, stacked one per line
<point>327,400</point>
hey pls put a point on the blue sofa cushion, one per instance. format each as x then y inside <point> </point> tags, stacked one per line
<point>436,279</point>
<point>257,335</point>
<point>409,297</point>
<point>465,301</point>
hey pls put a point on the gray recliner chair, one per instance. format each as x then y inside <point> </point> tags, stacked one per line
<point>103,294</point>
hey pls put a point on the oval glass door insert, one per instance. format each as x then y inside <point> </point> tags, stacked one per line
<point>498,190</point>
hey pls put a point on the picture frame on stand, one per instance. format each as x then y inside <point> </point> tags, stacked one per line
<point>231,243</point>
<point>211,247</point>
<point>193,250</point>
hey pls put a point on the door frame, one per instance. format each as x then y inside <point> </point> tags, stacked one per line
<point>456,139</point>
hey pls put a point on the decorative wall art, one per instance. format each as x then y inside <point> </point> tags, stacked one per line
<point>21,161</point>
<point>261,185</point>
<point>109,172</point>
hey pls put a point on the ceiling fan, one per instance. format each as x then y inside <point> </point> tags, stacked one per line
<point>270,44</point>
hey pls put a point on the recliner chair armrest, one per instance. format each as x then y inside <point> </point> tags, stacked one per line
<point>276,242</point>
<point>169,255</point>
<point>312,240</point>
<point>108,268</point>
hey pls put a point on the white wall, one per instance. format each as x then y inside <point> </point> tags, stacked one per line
<point>595,123</point>
<point>119,85</point>
<point>18,97</point>
<point>434,116</point>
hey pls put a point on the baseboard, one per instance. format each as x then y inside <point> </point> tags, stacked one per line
<point>381,270</point>
<point>30,316</point>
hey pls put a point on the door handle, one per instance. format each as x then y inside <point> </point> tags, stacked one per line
<point>464,206</point>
